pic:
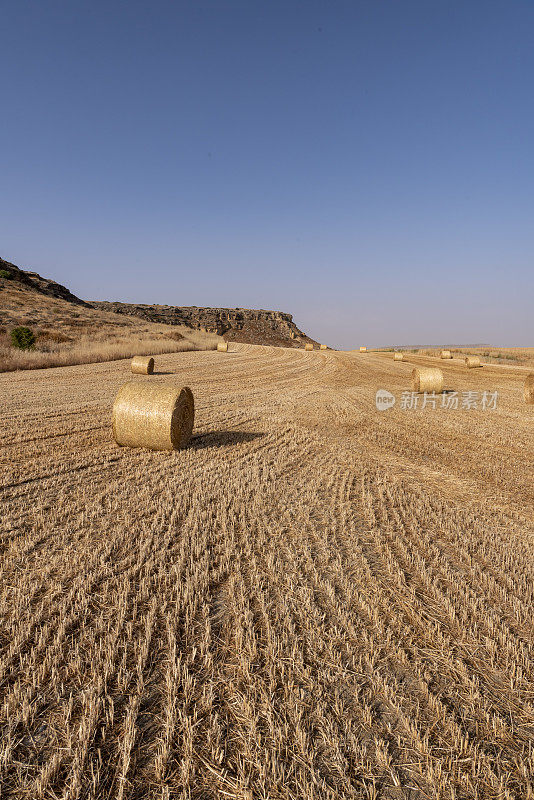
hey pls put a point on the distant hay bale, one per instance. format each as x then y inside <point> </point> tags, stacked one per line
<point>427,379</point>
<point>472,361</point>
<point>308,346</point>
<point>153,416</point>
<point>363,349</point>
<point>398,357</point>
<point>322,347</point>
<point>222,347</point>
<point>142,365</point>
<point>445,354</point>
<point>528,390</point>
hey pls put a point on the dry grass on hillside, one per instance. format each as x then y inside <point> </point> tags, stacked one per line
<point>71,334</point>
<point>103,345</point>
<point>315,600</point>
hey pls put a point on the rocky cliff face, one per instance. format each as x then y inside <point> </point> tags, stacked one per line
<point>32,280</point>
<point>255,326</point>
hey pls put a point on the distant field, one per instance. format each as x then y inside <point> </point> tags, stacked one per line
<point>504,355</point>
<point>315,600</point>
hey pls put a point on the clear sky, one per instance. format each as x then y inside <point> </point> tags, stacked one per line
<point>367,165</point>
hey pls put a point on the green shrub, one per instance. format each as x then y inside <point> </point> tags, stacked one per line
<point>5,273</point>
<point>22,338</point>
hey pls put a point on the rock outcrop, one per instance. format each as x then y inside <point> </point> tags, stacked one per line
<point>32,280</point>
<point>255,326</point>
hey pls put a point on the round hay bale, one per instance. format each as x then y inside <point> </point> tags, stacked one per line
<point>472,361</point>
<point>322,347</point>
<point>153,416</point>
<point>398,357</point>
<point>142,365</point>
<point>528,389</point>
<point>445,354</point>
<point>427,379</point>
<point>308,346</point>
<point>222,347</point>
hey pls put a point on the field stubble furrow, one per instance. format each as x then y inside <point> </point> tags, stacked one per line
<point>315,600</point>
<point>321,581</point>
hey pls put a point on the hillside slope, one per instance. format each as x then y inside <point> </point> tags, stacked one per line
<point>28,298</point>
<point>14,276</point>
<point>70,331</point>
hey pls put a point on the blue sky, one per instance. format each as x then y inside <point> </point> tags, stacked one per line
<point>365,166</point>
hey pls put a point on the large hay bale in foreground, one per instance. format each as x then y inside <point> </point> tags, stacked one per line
<point>398,357</point>
<point>142,365</point>
<point>472,361</point>
<point>153,416</point>
<point>528,389</point>
<point>322,347</point>
<point>427,379</point>
<point>222,347</point>
<point>308,346</point>
<point>445,354</point>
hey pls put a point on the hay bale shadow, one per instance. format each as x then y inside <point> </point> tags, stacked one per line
<point>223,439</point>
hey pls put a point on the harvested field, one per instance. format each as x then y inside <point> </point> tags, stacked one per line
<point>518,356</point>
<point>314,600</point>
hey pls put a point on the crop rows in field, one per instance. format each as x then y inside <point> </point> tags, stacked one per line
<point>313,601</point>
